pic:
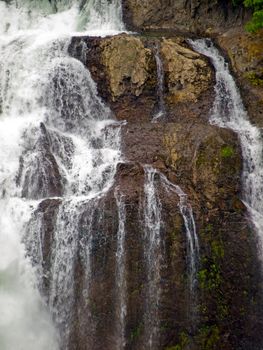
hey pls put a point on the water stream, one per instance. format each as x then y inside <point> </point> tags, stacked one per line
<point>160,87</point>
<point>121,277</point>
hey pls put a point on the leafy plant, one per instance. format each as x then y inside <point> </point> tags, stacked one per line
<point>256,22</point>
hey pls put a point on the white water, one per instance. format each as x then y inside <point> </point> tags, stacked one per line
<point>160,87</point>
<point>153,256</point>
<point>121,271</point>
<point>190,231</point>
<point>56,139</point>
<point>154,249</point>
<point>229,112</point>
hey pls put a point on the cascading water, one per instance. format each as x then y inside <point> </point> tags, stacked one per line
<point>121,272</point>
<point>160,87</point>
<point>153,256</point>
<point>154,250</point>
<point>229,112</point>
<point>58,142</point>
<point>191,234</point>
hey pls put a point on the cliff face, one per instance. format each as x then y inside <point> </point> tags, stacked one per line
<point>219,19</point>
<point>205,161</point>
<point>245,53</point>
<point>125,70</point>
<point>192,16</point>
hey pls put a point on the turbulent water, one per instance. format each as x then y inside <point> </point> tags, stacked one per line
<point>57,141</point>
<point>229,112</point>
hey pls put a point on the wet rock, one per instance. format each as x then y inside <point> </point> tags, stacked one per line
<point>192,16</point>
<point>245,53</point>
<point>39,174</point>
<point>205,161</point>
<point>124,68</point>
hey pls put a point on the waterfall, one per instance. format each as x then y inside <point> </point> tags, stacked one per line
<point>191,235</point>
<point>59,147</point>
<point>154,249</point>
<point>160,87</point>
<point>92,17</point>
<point>102,15</point>
<point>153,257</point>
<point>229,112</point>
<point>120,271</point>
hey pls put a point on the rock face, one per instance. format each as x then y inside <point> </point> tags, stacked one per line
<point>245,53</point>
<point>128,65</point>
<point>188,15</point>
<point>186,73</point>
<point>125,70</point>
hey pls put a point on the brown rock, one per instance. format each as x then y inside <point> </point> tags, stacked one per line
<point>127,63</point>
<point>124,68</point>
<point>245,51</point>
<point>192,16</point>
<point>187,74</point>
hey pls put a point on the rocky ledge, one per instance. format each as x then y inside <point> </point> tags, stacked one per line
<point>125,70</point>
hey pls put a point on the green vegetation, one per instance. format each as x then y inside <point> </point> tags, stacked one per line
<point>135,333</point>
<point>255,79</point>
<point>183,342</point>
<point>227,151</point>
<point>210,278</point>
<point>257,19</point>
<point>208,337</point>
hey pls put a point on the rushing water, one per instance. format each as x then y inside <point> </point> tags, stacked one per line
<point>57,140</point>
<point>229,112</point>
<point>121,271</point>
<point>154,250</point>
<point>153,256</point>
<point>160,87</point>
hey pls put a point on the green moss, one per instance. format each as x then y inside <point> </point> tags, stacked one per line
<point>227,151</point>
<point>209,278</point>
<point>135,333</point>
<point>254,78</point>
<point>217,248</point>
<point>183,342</point>
<point>208,337</point>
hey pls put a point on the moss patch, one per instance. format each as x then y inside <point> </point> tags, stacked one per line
<point>208,337</point>
<point>255,78</point>
<point>183,342</point>
<point>227,152</point>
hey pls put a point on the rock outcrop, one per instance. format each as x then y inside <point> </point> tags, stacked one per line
<point>193,16</point>
<point>245,52</point>
<point>124,68</point>
<point>186,73</point>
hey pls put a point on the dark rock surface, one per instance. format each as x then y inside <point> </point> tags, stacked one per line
<point>245,52</point>
<point>192,16</point>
